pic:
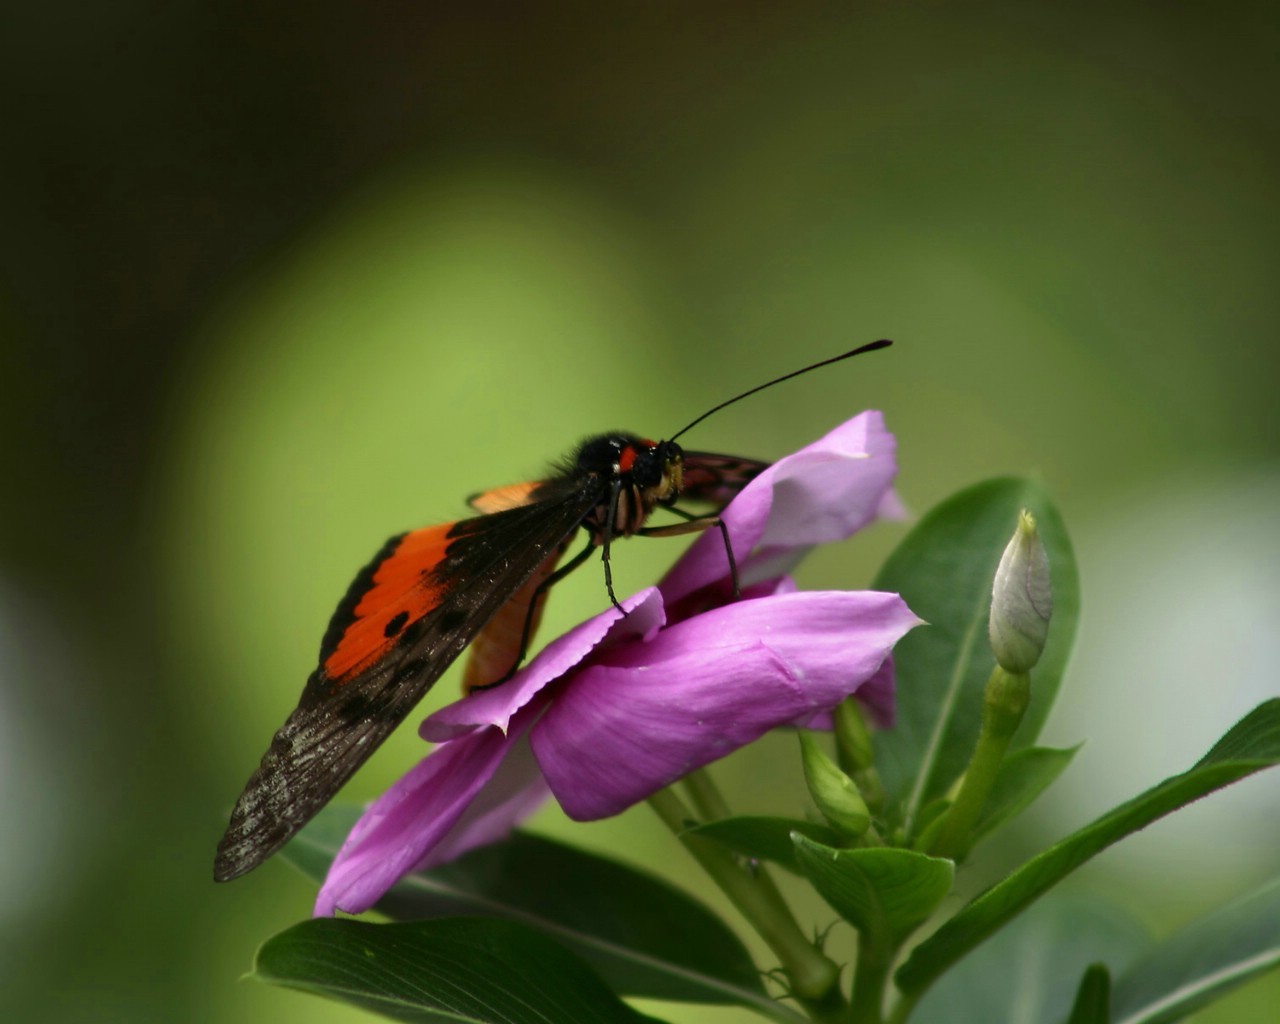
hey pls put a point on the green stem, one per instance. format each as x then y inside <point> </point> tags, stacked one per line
<point>1004,703</point>
<point>705,794</point>
<point>870,980</point>
<point>813,976</point>
<point>902,1009</point>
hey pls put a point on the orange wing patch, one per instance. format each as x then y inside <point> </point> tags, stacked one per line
<point>402,591</point>
<point>499,499</point>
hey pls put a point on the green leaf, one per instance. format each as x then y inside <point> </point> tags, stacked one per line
<point>885,893</point>
<point>1203,962</point>
<point>644,937</point>
<point>764,838</point>
<point>462,969</point>
<point>1022,777</point>
<point>1029,972</point>
<point>1250,745</point>
<point>944,569</point>
<point>1093,1000</point>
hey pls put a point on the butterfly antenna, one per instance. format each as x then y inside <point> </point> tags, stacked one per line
<point>882,343</point>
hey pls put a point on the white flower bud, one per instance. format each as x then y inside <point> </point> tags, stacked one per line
<point>1021,599</point>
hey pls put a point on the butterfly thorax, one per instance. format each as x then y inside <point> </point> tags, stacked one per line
<point>637,474</point>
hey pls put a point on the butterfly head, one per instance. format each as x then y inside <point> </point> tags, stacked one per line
<point>646,474</point>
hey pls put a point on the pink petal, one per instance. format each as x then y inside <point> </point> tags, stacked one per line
<point>642,715</point>
<point>402,826</point>
<point>514,792</point>
<point>824,492</point>
<point>834,487</point>
<point>497,706</point>
<point>876,695</point>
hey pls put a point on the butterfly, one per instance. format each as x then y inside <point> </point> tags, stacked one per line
<point>479,582</point>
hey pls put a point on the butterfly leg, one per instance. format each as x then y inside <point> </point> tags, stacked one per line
<point>695,524</point>
<point>605,542</point>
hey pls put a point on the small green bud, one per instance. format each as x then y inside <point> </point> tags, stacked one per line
<point>1021,599</point>
<point>855,754</point>
<point>853,738</point>
<point>833,791</point>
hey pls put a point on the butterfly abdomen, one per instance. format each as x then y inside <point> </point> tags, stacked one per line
<point>497,648</point>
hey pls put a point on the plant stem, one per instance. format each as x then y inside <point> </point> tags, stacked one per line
<point>813,976</point>
<point>869,982</point>
<point>1004,703</point>
<point>706,796</point>
<point>902,1009</point>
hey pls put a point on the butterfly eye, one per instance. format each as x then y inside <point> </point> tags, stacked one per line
<point>647,468</point>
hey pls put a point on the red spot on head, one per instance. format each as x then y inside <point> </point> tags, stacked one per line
<point>627,459</point>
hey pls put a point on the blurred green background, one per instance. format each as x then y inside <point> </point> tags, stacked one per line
<point>280,280</point>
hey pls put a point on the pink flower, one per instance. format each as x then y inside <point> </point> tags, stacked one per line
<point>620,707</point>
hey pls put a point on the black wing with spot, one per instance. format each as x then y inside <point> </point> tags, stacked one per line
<point>338,723</point>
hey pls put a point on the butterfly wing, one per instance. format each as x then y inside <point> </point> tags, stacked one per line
<point>499,499</point>
<point>404,620</point>
<point>717,478</point>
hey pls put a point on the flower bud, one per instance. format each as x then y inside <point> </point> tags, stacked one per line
<point>833,791</point>
<point>1021,599</point>
<point>855,754</point>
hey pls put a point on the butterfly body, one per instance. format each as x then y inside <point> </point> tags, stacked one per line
<point>429,594</point>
